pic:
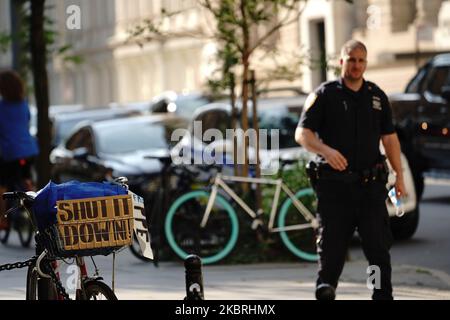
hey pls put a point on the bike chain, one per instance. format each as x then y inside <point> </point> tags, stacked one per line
<point>49,270</point>
<point>59,287</point>
<point>18,265</point>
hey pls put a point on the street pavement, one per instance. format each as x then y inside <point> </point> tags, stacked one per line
<point>136,280</point>
<point>420,270</point>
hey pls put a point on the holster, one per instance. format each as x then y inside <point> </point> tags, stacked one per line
<point>312,171</point>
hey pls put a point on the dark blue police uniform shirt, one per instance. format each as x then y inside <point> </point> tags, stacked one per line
<point>348,121</point>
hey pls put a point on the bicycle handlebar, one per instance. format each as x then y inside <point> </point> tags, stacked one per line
<point>17,195</point>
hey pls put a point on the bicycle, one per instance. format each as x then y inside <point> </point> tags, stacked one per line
<point>206,224</point>
<point>43,281</point>
<point>19,222</point>
<point>185,176</point>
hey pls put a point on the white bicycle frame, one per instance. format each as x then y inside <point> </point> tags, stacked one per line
<point>220,182</point>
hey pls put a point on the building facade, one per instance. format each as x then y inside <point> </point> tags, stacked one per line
<point>399,34</point>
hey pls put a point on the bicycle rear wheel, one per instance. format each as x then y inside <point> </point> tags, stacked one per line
<point>97,290</point>
<point>302,243</point>
<point>32,283</point>
<point>185,235</point>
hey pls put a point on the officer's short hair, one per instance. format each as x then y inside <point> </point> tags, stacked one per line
<point>352,45</point>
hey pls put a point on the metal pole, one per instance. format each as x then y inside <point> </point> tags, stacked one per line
<point>194,278</point>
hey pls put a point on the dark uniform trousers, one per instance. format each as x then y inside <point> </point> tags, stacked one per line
<point>344,207</point>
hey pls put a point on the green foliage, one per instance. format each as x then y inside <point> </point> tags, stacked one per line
<point>294,177</point>
<point>51,36</point>
<point>5,41</point>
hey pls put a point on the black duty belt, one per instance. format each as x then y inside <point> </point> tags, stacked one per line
<point>377,173</point>
<point>344,176</point>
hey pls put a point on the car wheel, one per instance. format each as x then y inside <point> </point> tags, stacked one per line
<point>404,227</point>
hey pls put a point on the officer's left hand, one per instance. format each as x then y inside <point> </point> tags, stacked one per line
<point>400,187</point>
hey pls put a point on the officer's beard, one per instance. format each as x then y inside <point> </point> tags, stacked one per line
<point>354,80</point>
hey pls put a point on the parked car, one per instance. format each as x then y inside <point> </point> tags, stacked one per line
<point>182,105</point>
<point>422,119</point>
<point>138,106</point>
<point>96,151</point>
<point>52,111</point>
<point>63,123</point>
<point>280,113</point>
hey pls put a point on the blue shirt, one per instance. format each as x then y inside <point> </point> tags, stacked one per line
<point>15,139</point>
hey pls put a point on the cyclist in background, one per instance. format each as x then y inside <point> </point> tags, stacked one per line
<point>18,148</point>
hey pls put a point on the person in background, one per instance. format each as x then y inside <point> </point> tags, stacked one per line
<point>17,147</point>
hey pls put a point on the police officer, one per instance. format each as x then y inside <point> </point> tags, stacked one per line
<point>343,122</point>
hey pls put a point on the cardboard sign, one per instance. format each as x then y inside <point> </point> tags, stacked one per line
<point>95,222</point>
<point>141,226</point>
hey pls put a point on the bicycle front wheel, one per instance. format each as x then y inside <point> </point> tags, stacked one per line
<point>33,292</point>
<point>97,290</point>
<point>301,242</point>
<point>24,229</point>
<point>32,283</point>
<point>185,235</point>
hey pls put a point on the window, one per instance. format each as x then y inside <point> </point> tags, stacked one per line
<point>214,120</point>
<point>282,118</point>
<point>81,139</point>
<point>415,85</point>
<point>128,137</point>
<point>438,78</point>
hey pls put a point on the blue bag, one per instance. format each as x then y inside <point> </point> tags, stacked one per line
<point>44,206</point>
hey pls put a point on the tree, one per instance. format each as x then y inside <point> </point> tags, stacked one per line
<point>38,51</point>
<point>32,40</point>
<point>241,27</point>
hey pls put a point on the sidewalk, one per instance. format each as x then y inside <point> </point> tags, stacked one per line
<point>289,281</point>
<point>136,280</point>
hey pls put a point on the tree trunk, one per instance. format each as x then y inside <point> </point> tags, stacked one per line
<point>40,83</point>
<point>256,128</point>
<point>17,44</point>
<point>245,64</point>
<point>233,122</point>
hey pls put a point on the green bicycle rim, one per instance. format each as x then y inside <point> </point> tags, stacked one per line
<point>281,223</point>
<point>231,214</point>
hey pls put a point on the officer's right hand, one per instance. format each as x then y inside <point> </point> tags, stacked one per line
<point>335,159</point>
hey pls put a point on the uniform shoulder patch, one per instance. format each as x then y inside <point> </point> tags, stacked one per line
<point>312,97</point>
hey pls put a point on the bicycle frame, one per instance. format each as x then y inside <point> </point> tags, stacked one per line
<point>83,274</point>
<point>220,182</point>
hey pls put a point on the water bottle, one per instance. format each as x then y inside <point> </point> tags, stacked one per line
<point>397,202</point>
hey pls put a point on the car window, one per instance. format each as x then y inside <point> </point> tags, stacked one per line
<point>415,85</point>
<point>438,78</point>
<point>125,138</point>
<point>81,139</point>
<point>216,119</point>
<point>186,106</point>
<point>280,117</point>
